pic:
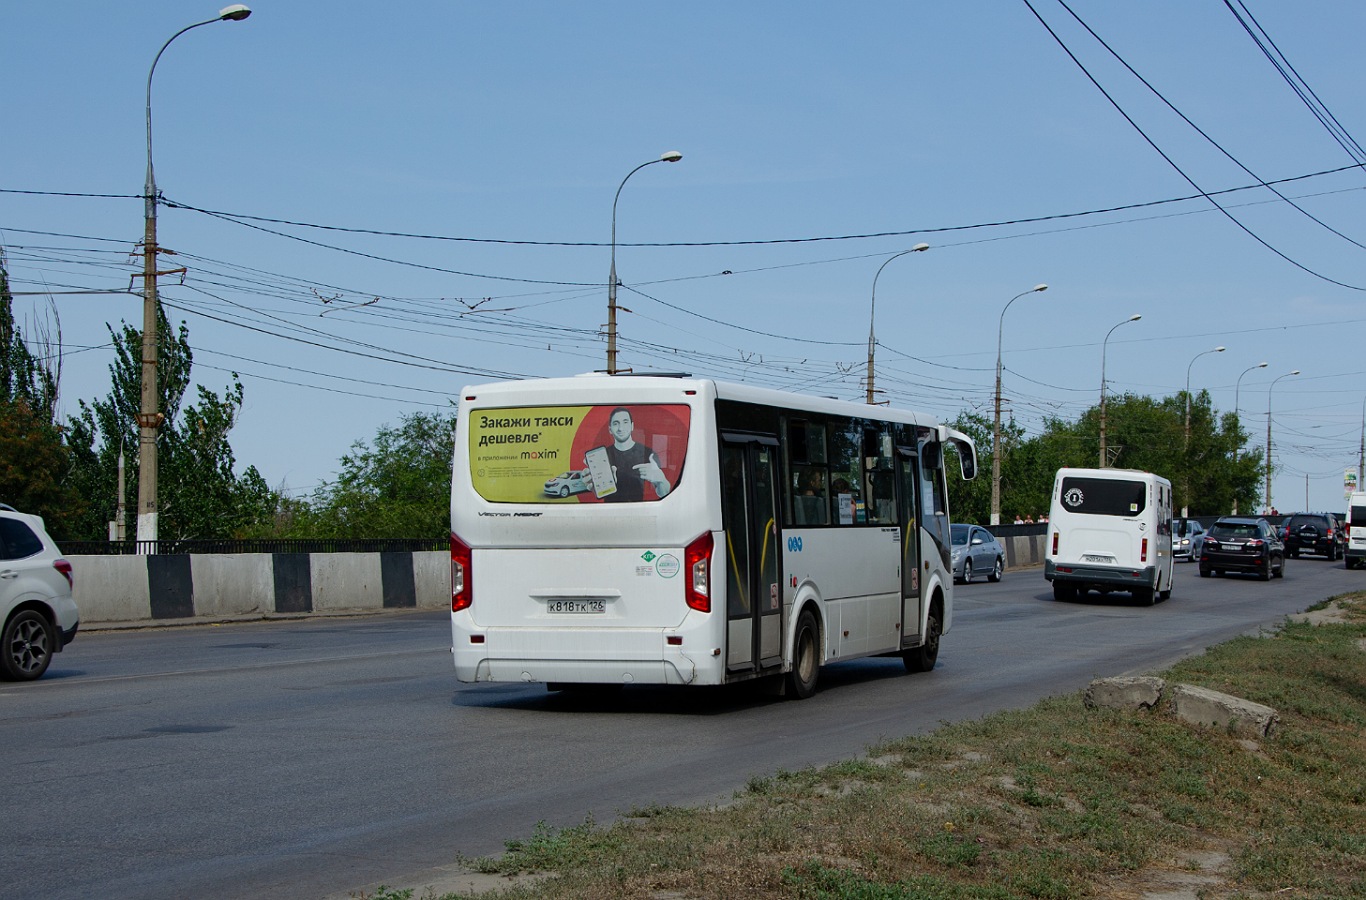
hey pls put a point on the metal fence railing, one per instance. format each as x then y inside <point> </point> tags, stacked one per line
<point>267,545</point>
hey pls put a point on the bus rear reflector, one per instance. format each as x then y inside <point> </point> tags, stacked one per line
<point>697,563</point>
<point>462,588</point>
<point>1143,557</point>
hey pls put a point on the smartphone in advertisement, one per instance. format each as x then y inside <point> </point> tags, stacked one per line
<point>600,469</point>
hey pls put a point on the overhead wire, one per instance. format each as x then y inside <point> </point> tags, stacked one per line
<point>1172,162</point>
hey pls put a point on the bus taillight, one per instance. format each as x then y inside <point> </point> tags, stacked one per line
<point>1143,555</point>
<point>697,562</point>
<point>1055,543</point>
<point>462,590</point>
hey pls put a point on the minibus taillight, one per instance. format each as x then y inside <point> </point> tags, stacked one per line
<point>462,590</point>
<point>1143,556</point>
<point>697,564</point>
<point>1055,543</point>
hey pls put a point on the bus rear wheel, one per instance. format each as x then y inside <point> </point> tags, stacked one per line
<point>924,657</point>
<point>806,660</point>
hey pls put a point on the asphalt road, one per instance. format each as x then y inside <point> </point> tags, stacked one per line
<point>307,758</point>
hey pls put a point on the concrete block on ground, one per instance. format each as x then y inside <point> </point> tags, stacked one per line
<point>1213,709</point>
<point>1124,692</point>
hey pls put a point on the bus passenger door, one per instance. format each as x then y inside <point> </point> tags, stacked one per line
<point>749,515</point>
<point>908,515</point>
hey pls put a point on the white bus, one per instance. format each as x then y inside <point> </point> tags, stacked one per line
<point>1110,530</point>
<point>656,529</point>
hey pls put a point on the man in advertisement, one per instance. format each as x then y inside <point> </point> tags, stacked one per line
<point>632,464</point>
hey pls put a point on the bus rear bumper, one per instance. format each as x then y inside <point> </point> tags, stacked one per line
<point>1102,577</point>
<point>529,655</point>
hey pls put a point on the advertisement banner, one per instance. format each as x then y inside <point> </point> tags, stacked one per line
<point>578,454</point>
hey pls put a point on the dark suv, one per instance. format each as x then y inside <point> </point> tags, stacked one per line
<point>1320,533</point>
<point>1242,544</point>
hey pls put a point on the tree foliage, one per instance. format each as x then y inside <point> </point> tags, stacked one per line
<point>1207,473</point>
<point>397,487</point>
<point>33,453</point>
<point>199,494</point>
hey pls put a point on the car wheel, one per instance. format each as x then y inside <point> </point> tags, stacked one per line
<point>564,490</point>
<point>1144,596</point>
<point>1265,572</point>
<point>924,657</point>
<point>967,571</point>
<point>28,646</point>
<point>1064,591</point>
<point>997,570</point>
<point>1204,573</point>
<point>1280,570</point>
<point>806,660</point>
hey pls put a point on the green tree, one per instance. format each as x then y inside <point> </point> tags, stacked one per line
<point>33,453</point>
<point>199,494</point>
<point>399,487</point>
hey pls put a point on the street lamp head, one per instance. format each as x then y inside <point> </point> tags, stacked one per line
<point>1260,366</point>
<point>1296,372</point>
<point>235,13</point>
<point>920,248</point>
<point>1219,349</point>
<point>1039,287</point>
<point>671,156</point>
<point>1135,317</point>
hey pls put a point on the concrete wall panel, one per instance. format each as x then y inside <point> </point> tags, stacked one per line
<point>432,579</point>
<point>233,584</point>
<point>347,581</point>
<point>111,588</point>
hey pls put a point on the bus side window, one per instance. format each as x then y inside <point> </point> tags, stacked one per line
<point>880,475</point>
<point>846,471</point>
<point>810,503</point>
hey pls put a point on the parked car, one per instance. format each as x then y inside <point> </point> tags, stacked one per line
<point>566,483</point>
<point>1187,536</point>
<point>1242,544</point>
<point>976,552</point>
<point>40,618</point>
<point>1320,533</point>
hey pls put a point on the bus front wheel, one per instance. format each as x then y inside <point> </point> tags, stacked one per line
<point>923,658</point>
<point>806,660</point>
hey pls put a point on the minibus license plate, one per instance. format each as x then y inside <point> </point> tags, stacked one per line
<point>576,606</point>
<point>1091,557</point>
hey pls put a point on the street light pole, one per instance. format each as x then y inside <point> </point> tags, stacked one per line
<point>1103,345</point>
<point>1238,419</point>
<point>996,421</point>
<point>670,156</point>
<point>1268,435</point>
<point>1186,446</point>
<point>149,418</point>
<point>872,310</point>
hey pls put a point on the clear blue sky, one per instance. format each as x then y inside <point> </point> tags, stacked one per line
<point>516,122</point>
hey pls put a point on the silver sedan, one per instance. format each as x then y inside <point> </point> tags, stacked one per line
<point>976,552</point>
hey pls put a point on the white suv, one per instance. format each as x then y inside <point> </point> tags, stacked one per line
<point>35,597</point>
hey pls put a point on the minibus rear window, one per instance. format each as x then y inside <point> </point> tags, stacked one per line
<point>1103,496</point>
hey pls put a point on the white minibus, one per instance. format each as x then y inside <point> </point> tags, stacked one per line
<point>1110,530</point>
<point>1355,521</point>
<point>610,530</point>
